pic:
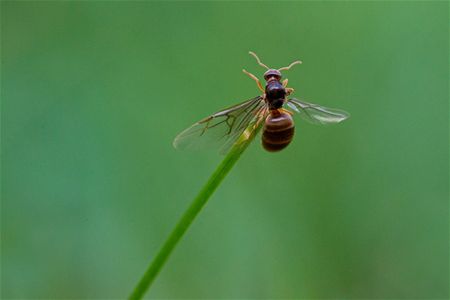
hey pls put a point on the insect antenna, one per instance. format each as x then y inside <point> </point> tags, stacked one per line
<point>258,60</point>
<point>297,62</point>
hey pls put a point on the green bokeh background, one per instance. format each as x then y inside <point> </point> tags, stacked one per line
<point>93,94</point>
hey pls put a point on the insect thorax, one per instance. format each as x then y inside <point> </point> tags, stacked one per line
<point>275,94</point>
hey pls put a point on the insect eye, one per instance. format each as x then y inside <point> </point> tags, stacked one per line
<point>269,76</point>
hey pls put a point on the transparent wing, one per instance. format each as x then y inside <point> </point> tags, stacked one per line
<point>221,129</point>
<point>317,114</point>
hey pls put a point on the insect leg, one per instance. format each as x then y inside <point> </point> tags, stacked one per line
<point>289,91</point>
<point>287,111</point>
<point>255,79</point>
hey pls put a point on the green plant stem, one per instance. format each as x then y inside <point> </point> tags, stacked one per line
<point>189,215</point>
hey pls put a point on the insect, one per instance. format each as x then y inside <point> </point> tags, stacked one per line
<point>223,128</point>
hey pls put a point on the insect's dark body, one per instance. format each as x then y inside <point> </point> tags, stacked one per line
<point>278,129</point>
<point>275,94</point>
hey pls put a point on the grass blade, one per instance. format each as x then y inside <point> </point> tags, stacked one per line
<point>192,211</point>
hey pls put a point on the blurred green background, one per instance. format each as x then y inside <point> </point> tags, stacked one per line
<point>93,94</point>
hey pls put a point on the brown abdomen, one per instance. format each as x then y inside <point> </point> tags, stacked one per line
<point>278,131</point>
